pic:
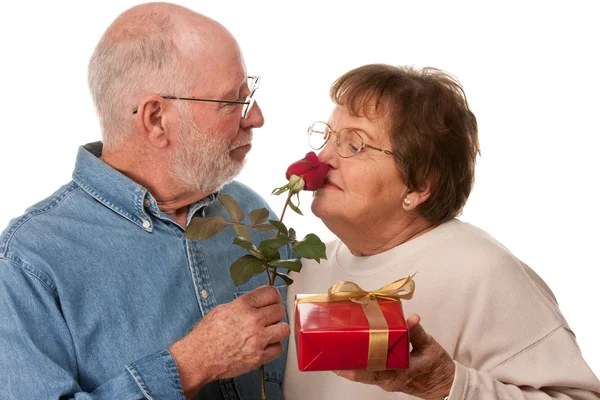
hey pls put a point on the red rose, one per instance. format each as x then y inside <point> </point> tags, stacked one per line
<point>310,169</point>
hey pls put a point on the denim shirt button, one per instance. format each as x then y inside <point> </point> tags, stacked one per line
<point>204,294</point>
<point>146,203</point>
<point>146,224</point>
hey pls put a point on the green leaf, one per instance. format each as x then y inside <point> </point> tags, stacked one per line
<point>232,207</point>
<point>248,245</point>
<point>286,278</point>
<point>267,228</point>
<point>311,247</point>
<point>280,226</point>
<point>244,243</point>
<point>205,228</point>
<point>293,207</point>
<point>270,254</point>
<point>258,216</point>
<point>245,268</point>
<point>268,247</point>
<point>275,242</point>
<point>242,230</point>
<point>292,265</point>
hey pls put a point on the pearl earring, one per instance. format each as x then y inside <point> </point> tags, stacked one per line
<point>407,202</point>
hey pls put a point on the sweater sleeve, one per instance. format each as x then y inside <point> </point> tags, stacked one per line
<point>552,368</point>
<point>517,344</point>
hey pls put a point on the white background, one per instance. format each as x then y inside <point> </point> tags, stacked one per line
<point>530,71</point>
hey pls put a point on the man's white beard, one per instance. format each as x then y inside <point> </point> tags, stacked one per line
<point>202,162</point>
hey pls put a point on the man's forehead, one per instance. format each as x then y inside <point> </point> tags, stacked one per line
<point>237,86</point>
<point>215,81</point>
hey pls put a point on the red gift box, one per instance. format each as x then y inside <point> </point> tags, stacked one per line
<point>337,335</point>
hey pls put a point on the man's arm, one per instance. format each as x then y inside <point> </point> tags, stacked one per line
<point>38,359</point>
<point>242,336</point>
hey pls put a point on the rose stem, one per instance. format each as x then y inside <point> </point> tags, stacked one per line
<point>271,282</point>
<point>286,204</point>
<point>262,384</point>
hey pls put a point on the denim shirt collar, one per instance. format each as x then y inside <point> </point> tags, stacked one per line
<point>118,192</point>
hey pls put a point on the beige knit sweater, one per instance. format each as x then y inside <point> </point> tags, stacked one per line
<point>493,314</point>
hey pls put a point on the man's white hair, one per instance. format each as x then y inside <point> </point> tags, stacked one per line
<point>136,57</point>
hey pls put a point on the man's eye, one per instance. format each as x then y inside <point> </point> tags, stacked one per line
<point>230,106</point>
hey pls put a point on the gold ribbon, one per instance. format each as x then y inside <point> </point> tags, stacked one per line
<point>378,326</point>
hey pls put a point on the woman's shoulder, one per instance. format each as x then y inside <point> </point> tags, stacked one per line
<point>494,268</point>
<point>475,243</point>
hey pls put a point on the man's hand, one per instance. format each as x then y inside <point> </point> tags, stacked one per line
<point>232,339</point>
<point>430,373</point>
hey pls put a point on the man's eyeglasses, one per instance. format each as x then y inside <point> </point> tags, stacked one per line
<point>348,142</point>
<point>248,102</point>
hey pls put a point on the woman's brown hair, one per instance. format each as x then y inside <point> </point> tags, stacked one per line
<point>433,131</point>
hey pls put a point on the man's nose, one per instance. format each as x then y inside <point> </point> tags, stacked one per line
<point>255,118</point>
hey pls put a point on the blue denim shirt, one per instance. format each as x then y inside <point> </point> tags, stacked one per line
<point>96,283</point>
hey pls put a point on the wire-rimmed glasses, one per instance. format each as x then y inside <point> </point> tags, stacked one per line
<point>248,102</point>
<point>348,142</point>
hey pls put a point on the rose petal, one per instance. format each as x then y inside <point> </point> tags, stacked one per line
<point>300,167</point>
<point>310,169</point>
<point>312,157</point>
<point>314,178</point>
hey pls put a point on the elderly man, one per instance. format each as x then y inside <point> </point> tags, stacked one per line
<point>100,294</point>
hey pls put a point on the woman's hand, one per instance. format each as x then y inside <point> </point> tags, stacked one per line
<point>430,373</point>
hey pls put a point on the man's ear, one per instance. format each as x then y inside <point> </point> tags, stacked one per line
<point>152,120</point>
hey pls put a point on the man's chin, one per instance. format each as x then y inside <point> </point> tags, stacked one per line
<point>235,171</point>
<point>200,182</point>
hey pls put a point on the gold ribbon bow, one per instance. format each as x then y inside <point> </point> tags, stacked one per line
<point>378,326</point>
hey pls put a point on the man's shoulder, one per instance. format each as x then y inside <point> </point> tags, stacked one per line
<point>35,221</point>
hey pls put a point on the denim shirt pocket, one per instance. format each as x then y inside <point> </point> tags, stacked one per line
<point>273,370</point>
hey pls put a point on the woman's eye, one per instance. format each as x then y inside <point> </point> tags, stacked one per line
<point>353,148</point>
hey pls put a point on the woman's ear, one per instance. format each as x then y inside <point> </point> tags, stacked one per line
<point>413,198</point>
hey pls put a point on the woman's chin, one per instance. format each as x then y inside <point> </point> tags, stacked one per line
<point>321,204</point>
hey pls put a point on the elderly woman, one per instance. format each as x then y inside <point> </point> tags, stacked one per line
<point>401,144</point>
